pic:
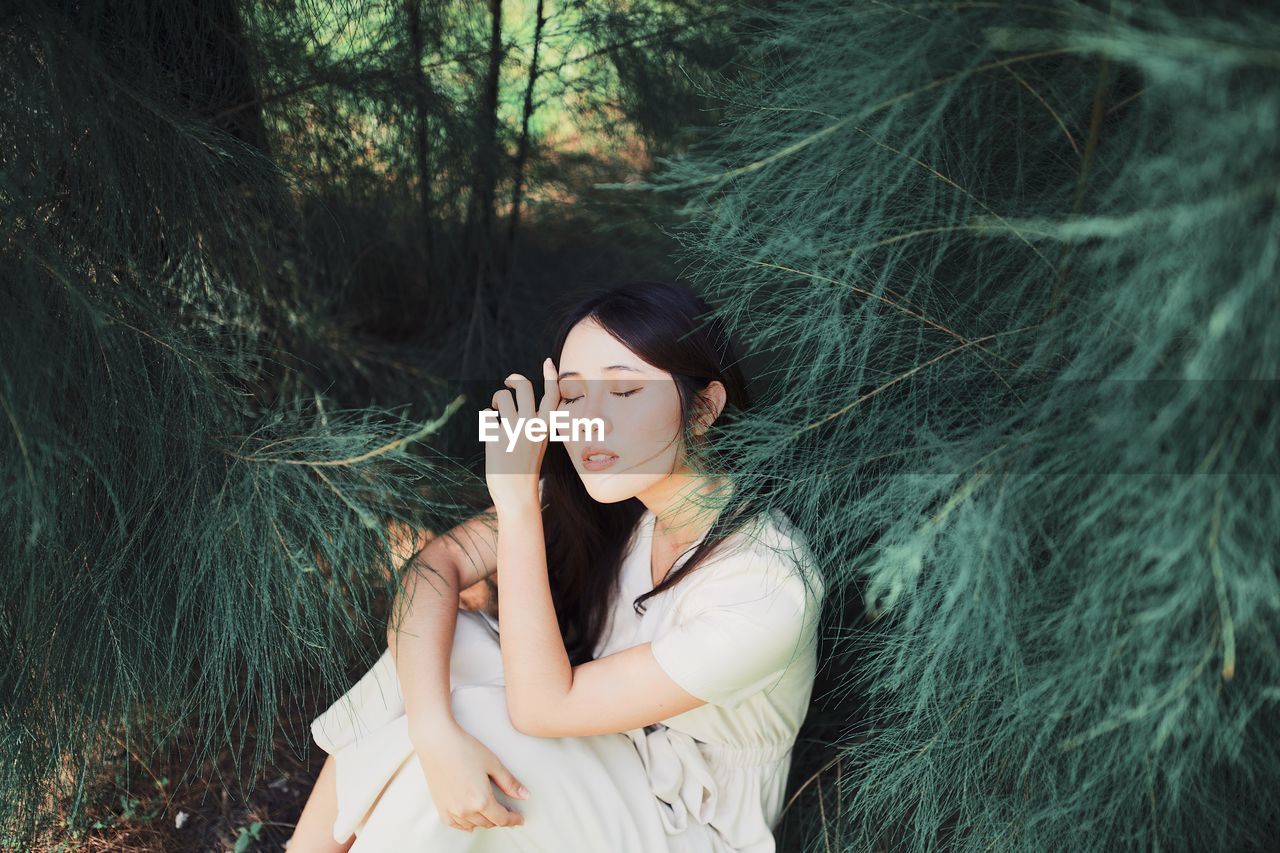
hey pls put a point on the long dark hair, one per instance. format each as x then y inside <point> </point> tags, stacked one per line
<point>670,327</point>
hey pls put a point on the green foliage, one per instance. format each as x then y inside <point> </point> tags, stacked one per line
<point>208,213</point>
<point>1010,272</point>
<point>248,836</point>
<point>179,548</point>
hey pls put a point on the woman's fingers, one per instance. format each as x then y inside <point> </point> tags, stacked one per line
<point>469,820</point>
<point>493,814</point>
<point>525,405</point>
<point>511,786</point>
<point>550,387</point>
<point>506,407</point>
<point>500,815</point>
<point>506,780</point>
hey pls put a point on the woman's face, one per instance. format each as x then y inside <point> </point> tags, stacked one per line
<point>639,410</point>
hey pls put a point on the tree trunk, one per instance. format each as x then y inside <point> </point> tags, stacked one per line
<point>522,147</point>
<point>422,130</point>
<point>483,245</point>
<point>205,48</point>
<point>487,148</point>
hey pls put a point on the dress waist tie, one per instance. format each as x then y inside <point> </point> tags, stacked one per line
<point>679,770</point>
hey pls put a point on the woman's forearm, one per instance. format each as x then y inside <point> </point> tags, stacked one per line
<point>536,666</point>
<point>420,637</point>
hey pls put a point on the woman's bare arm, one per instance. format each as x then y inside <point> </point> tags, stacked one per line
<point>459,769</point>
<point>424,616</point>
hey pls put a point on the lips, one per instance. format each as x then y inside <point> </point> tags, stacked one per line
<point>591,451</point>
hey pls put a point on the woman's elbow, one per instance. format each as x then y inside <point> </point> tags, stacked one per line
<point>527,723</point>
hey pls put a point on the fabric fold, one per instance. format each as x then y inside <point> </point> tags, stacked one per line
<point>679,776</point>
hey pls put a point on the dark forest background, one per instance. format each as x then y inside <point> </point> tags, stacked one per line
<point>1006,274</point>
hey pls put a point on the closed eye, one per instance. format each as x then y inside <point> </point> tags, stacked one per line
<point>615,393</point>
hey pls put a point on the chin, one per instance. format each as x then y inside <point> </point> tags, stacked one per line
<point>608,489</point>
<point>607,493</point>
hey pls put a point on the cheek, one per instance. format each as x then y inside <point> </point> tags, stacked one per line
<point>658,423</point>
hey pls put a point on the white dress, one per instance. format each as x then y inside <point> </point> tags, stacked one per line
<point>739,632</point>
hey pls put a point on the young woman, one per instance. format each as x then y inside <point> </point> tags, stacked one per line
<point>658,631</point>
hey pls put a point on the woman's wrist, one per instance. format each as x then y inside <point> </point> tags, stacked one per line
<point>521,505</point>
<point>426,726</point>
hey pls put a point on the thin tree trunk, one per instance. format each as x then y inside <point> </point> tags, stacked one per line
<point>211,67</point>
<point>484,188</point>
<point>522,147</point>
<point>487,148</point>
<point>422,129</point>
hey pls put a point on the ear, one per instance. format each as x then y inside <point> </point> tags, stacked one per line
<point>711,401</point>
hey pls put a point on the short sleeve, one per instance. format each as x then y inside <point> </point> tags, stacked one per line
<point>737,631</point>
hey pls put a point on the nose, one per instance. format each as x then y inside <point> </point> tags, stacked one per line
<point>596,408</point>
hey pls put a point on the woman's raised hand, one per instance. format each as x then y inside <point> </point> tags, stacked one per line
<point>459,769</point>
<point>512,466</point>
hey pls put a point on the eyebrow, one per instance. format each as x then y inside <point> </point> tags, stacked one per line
<point>625,367</point>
